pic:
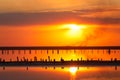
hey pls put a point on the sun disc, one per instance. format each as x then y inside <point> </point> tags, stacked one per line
<point>74,27</point>
<point>74,30</point>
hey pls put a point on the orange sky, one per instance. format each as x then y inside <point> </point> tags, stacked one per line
<point>46,23</point>
<point>59,23</point>
<point>57,35</point>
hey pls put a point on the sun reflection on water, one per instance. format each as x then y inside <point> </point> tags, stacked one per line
<point>73,70</point>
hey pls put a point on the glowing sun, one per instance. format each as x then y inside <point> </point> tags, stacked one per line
<point>73,29</point>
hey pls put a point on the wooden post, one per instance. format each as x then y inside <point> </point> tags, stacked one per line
<point>115,67</point>
<point>17,59</point>
<point>7,51</point>
<point>62,67</point>
<point>57,51</point>
<point>78,59</point>
<point>54,60</point>
<point>109,51</point>
<point>24,51</point>
<point>35,58</point>
<point>2,51</point>
<point>27,68</point>
<point>115,59</point>
<point>114,51</point>
<point>30,51</point>
<point>54,67</point>
<point>49,58</point>
<point>103,51</point>
<point>52,51</point>
<point>81,58</point>
<point>0,59</point>
<point>74,51</point>
<point>12,51</point>
<point>111,59</point>
<point>3,67</point>
<point>47,51</point>
<point>35,51</point>
<point>45,67</point>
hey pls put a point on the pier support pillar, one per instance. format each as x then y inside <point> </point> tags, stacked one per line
<point>57,51</point>
<point>2,51</point>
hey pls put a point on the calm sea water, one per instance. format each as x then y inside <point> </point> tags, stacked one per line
<point>60,73</point>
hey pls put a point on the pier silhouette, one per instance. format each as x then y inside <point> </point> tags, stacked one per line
<point>61,62</point>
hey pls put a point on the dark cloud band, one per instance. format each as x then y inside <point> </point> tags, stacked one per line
<point>46,18</point>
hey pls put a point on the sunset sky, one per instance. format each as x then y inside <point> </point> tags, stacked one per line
<point>59,22</point>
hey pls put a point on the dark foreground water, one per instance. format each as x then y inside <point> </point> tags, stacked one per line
<point>60,73</point>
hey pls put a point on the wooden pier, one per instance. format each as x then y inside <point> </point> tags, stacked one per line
<point>58,48</point>
<point>112,62</point>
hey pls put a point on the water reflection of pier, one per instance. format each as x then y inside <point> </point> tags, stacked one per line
<point>62,62</point>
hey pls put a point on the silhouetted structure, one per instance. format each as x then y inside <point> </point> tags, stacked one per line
<point>0,59</point>
<point>54,60</point>
<point>45,60</point>
<point>48,58</point>
<point>3,60</point>
<point>115,59</point>
<point>81,58</point>
<point>35,59</point>
<point>17,59</point>
<point>62,60</point>
<point>30,51</point>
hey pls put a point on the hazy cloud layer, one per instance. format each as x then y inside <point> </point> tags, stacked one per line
<point>90,16</point>
<point>46,5</point>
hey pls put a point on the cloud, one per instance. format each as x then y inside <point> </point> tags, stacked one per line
<point>51,18</point>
